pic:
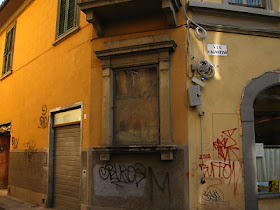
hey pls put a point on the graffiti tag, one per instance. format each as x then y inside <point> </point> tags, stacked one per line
<point>30,149</point>
<point>44,119</point>
<point>121,173</point>
<point>228,169</point>
<point>14,142</point>
<point>213,194</point>
<point>3,148</point>
<point>205,156</point>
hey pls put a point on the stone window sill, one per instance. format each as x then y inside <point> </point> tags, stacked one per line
<point>234,8</point>
<point>65,36</point>
<point>268,196</point>
<point>6,75</point>
<point>166,151</point>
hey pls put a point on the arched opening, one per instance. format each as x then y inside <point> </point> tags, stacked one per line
<point>267,132</point>
<point>253,92</point>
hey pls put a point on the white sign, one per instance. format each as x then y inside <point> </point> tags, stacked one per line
<point>217,49</point>
<point>67,117</point>
<point>259,150</point>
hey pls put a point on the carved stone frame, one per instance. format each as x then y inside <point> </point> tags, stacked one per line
<point>149,50</point>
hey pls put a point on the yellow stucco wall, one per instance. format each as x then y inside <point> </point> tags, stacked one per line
<point>268,204</point>
<point>44,74</point>
<point>276,5</point>
<point>248,57</point>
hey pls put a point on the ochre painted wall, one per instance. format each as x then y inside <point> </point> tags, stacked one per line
<point>44,74</point>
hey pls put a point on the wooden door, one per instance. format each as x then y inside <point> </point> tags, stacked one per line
<point>4,159</point>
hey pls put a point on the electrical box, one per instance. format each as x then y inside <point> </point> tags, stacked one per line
<point>194,95</point>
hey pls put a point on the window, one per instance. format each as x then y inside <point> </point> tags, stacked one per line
<point>136,105</point>
<point>267,130</point>
<point>248,3</point>
<point>136,114</point>
<point>8,52</point>
<point>67,19</point>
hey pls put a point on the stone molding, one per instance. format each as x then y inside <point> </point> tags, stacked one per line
<point>94,10</point>
<point>141,51</point>
<point>236,19</point>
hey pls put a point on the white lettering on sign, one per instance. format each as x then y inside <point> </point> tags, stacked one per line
<point>217,49</point>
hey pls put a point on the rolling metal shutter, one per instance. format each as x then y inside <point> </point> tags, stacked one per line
<point>67,160</point>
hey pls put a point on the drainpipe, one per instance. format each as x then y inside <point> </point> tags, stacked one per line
<point>201,114</point>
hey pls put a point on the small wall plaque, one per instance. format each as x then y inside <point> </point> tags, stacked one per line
<point>217,49</point>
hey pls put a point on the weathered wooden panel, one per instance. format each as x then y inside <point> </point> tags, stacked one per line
<point>4,160</point>
<point>67,167</point>
<point>136,116</point>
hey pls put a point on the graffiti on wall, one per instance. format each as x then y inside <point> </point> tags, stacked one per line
<point>124,180</point>
<point>44,119</point>
<point>213,194</point>
<point>164,187</point>
<point>15,142</point>
<point>205,156</point>
<point>119,174</point>
<point>3,148</point>
<point>229,166</point>
<point>30,149</point>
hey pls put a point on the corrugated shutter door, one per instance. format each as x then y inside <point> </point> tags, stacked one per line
<point>67,167</point>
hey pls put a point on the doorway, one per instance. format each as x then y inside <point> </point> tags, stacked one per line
<point>267,132</point>
<point>65,139</point>
<point>248,115</point>
<point>4,157</point>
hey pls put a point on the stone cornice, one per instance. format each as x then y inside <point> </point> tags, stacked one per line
<point>163,45</point>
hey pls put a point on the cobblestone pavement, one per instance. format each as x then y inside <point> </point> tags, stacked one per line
<point>8,202</point>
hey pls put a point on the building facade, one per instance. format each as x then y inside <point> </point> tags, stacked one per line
<point>140,104</point>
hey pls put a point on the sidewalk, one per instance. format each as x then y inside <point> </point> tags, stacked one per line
<point>8,202</point>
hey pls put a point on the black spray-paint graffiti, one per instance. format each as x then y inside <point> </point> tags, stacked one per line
<point>44,119</point>
<point>3,148</point>
<point>30,149</point>
<point>165,184</point>
<point>14,142</point>
<point>213,194</point>
<point>121,173</point>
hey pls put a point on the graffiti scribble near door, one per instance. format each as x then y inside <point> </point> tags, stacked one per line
<point>15,142</point>
<point>30,149</point>
<point>44,119</point>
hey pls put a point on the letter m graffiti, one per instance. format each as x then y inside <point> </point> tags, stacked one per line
<point>159,187</point>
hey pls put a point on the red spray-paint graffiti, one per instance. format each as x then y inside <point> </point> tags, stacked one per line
<point>205,156</point>
<point>228,169</point>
